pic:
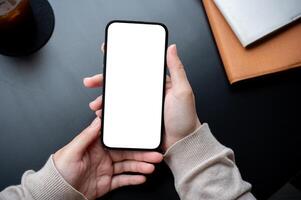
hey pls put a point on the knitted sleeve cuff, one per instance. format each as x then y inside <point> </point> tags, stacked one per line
<point>47,183</point>
<point>194,149</point>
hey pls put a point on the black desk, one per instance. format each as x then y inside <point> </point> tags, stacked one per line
<point>43,104</point>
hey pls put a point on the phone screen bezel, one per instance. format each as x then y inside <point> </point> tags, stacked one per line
<point>104,83</point>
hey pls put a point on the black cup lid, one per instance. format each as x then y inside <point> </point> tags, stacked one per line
<point>33,36</point>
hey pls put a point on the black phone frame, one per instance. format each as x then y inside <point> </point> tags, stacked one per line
<point>104,84</point>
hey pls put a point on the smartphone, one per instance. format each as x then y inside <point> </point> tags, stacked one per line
<point>134,85</point>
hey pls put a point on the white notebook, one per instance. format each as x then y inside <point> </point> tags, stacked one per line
<point>252,20</point>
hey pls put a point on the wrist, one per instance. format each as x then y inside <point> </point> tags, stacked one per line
<point>171,139</point>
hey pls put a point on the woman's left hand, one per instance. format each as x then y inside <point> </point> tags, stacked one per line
<point>94,171</point>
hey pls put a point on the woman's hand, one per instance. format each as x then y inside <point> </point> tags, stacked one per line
<point>94,171</point>
<point>180,115</point>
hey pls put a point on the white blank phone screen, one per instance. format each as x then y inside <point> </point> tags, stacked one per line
<point>134,85</point>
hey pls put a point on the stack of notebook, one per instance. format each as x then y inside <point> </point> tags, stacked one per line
<point>251,53</point>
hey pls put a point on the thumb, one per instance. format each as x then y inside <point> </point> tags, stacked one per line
<point>81,142</point>
<point>176,68</point>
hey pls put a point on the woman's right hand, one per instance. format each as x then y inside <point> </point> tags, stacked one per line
<point>180,117</point>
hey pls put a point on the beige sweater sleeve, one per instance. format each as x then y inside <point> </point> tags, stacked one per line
<point>205,169</point>
<point>46,184</point>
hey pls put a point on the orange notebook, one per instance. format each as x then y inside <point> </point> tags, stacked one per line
<point>279,52</point>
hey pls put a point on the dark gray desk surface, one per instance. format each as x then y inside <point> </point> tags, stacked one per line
<point>43,104</point>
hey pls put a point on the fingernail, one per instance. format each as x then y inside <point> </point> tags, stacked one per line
<point>98,113</point>
<point>85,79</point>
<point>95,122</point>
<point>91,104</point>
<point>174,49</point>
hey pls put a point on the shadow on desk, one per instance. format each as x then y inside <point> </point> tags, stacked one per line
<point>290,191</point>
<point>160,180</point>
<point>291,75</point>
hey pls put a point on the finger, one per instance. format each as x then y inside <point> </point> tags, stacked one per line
<point>176,68</point>
<point>151,157</point>
<point>94,81</point>
<point>102,47</point>
<point>168,78</point>
<point>99,113</point>
<point>124,180</point>
<point>168,84</point>
<point>96,104</point>
<point>133,166</point>
<point>81,142</point>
